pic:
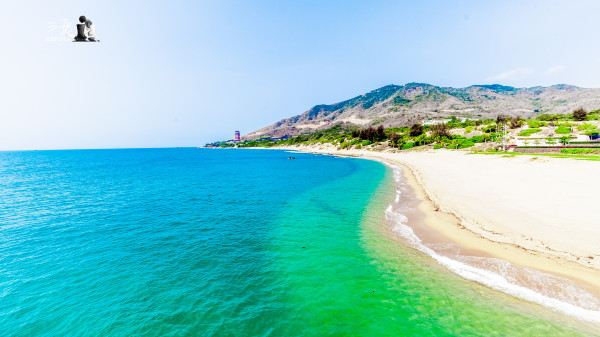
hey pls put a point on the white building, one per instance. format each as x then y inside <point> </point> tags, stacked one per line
<point>441,121</point>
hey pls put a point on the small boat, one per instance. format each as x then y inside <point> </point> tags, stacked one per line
<point>291,157</point>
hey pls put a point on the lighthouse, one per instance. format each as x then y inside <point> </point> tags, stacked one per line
<point>236,138</point>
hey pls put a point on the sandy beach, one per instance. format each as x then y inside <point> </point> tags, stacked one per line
<point>535,212</point>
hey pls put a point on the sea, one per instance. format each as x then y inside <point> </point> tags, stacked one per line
<point>234,242</point>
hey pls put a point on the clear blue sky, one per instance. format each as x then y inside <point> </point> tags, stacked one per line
<point>182,73</point>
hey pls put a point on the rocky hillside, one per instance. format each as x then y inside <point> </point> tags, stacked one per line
<point>394,105</point>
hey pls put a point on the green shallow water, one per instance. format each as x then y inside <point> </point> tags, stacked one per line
<point>346,278</point>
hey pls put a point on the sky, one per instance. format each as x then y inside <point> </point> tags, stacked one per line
<point>184,73</point>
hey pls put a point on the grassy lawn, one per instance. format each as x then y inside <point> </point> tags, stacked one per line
<point>551,155</point>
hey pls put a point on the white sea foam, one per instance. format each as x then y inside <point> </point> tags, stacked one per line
<point>500,274</point>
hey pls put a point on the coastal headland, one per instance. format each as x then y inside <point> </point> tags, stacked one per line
<point>536,212</point>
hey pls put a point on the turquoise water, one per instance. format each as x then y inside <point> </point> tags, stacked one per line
<point>198,242</point>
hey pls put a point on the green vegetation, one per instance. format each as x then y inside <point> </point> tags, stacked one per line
<point>403,138</point>
<point>437,136</point>
<point>407,146</point>
<point>461,143</point>
<point>374,97</point>
<point>588,129</point>
<point>529,132</point>
<point>563,130</point>
<point>579,151</point>
<point>586,126</point>
<point>401,101</point>
<point>565,140</point>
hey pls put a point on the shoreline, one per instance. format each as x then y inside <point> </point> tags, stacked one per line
<point>454,226</point>
<point>450,224</point>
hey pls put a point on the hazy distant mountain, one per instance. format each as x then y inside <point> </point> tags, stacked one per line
<point>395,105</point>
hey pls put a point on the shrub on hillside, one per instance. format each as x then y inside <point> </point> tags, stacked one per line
<point>516,122</point>
<point>550,117</point>
<point>416,130</point>
<point>466,143</point>
<point>407,146</point>
<point>586,126</point>
<point>580,114</point>
<point>529,132</point>
<point>563,130</point>
<point>440,130</point>
<point>355,141</point>
<point>462,143</point>
<point>479,139</point>
<point>501,119</point>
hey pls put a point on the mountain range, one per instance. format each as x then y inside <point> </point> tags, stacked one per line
<point>402,105</point>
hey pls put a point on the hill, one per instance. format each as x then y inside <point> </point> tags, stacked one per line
<point>397,106</point>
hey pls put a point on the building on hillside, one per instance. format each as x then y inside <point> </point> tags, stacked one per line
<point>435,121</point>
<point>236,138</point>
<point>441,121</point>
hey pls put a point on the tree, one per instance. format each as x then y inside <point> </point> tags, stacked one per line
<point>372,134</point>
<point>440,130</point>
<point>379,134</point>
<point>565,140</point>
<point>421,139</point>
<point>515,122</point>
<point>394,138</point>
<point>367,133</point>
<point>416,130</point>
<point>501,119</point>
<point>580,114</point>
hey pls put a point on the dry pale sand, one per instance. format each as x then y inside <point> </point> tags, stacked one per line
<point>537,212</point>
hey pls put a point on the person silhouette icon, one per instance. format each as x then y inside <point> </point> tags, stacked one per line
<point>81,30</point>
<point>90,31</point>
<point>86,32</point>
